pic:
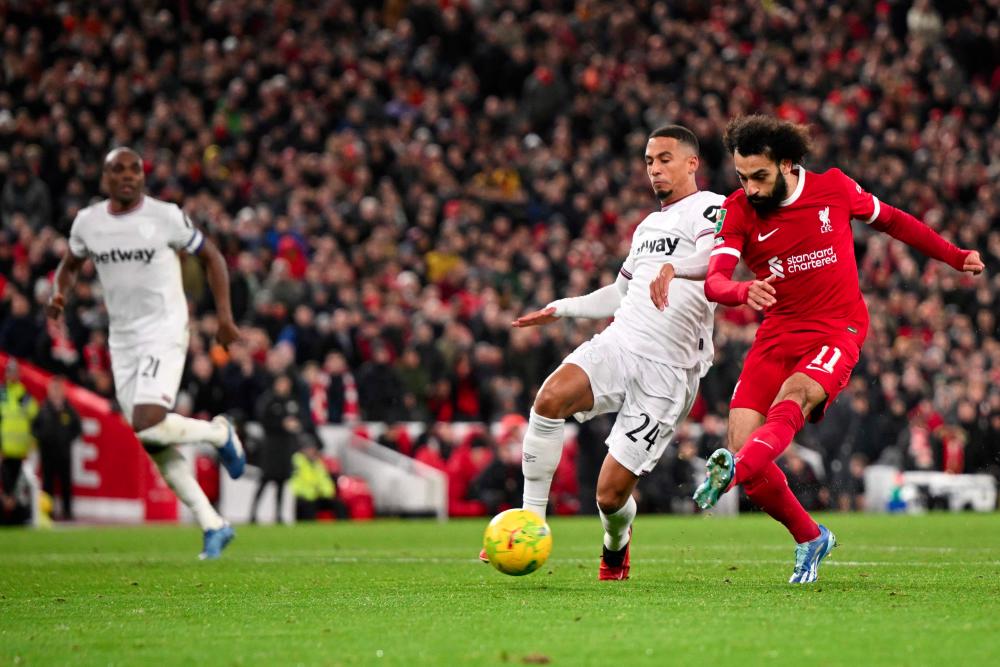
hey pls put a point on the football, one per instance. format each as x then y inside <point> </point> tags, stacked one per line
<point>517,542</point>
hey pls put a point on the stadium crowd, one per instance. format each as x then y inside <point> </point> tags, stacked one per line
<point>392,185</point>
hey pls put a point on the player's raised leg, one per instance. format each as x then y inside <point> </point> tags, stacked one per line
<point>564,393</point>
<point>177,473</point>
<point>148,378</point>
<point>764,482</point>
<point>617,509</point>
<point>798,396</point>
<point>750,435</point>
<point>175,429</point>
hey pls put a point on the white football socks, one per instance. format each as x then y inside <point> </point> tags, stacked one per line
<point>616,525</point>
<point>175,429</point>
<point>543,444</point>
<point>177,473</point>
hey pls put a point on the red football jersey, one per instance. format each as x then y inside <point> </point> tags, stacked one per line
<point>808,245</point>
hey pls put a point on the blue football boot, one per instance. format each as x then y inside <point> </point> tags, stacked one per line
<point>233,458</point>
<point>808,556</point>
<point>215,541</point>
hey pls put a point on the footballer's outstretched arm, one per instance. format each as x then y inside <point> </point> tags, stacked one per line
<point>218,282</point>
<point>598,304</point>
<point>64,280</point>
<point>901,225</point>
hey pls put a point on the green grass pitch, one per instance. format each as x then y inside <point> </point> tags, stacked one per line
<point>704,591</point>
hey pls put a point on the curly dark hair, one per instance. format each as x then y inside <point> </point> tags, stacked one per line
<point>772,137</point>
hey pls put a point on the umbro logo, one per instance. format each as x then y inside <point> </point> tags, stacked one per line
<point>764,237</point>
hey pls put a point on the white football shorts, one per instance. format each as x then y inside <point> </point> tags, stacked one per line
<point>148,374</point>
<point>651,399</point>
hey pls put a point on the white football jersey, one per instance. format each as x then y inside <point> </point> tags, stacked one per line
<point>137,263</point>
<point>681,334</point>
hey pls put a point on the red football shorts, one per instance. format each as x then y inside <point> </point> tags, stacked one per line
<point>827,357</point>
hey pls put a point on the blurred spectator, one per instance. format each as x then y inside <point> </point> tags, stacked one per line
<point>923,21</point>
<point>669,487</point>
<point>397,437</point>
<point>55,428</point>
<point>27,195</point>
<point>17,411</point>
<point>342,391</point>
<point>428,452</point>
<point>243,381</point>
<point>919,448</point>
<point>312,485</point>
<point>500,484</point>
<point>465,463</point>
<point>591,451</point>
<point>565,491</point>
<point>713,435</point>
<point>202,388</point>
<point>19,330</point>
<point>380,391</point>
<point>803,480</point>
<point>434,445</point>
<point>280,413</point>
<point>96,356</point>
<point>415,379</point>
<point>851,485</point>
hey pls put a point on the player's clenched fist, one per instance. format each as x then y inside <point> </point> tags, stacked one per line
<point>55,307</point>
<point>973,263</point>
<point>228,333</point>
<point>761,294</point>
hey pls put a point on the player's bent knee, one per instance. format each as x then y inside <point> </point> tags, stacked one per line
<point>610,500</point>
<point>565,392</point>
<point>146,417</point>
<point>803,390</point>
<point>140,425</point>
<point>552,403</point>
<point>742,422</point>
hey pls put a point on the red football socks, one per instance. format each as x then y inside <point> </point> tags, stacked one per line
<point>768,442</point>
<point>762,479</point>
<point>769,491</point>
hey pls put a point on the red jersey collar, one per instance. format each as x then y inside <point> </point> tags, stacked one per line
<point>792,198</point>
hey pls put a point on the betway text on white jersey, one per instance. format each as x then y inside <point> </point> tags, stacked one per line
<point>135,254</point>
<point>681,334</point>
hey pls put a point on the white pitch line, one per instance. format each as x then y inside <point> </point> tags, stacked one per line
<point>684,555</point>
<point>789,547</point>
<point>320,557</point>
<point>676,561</point>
